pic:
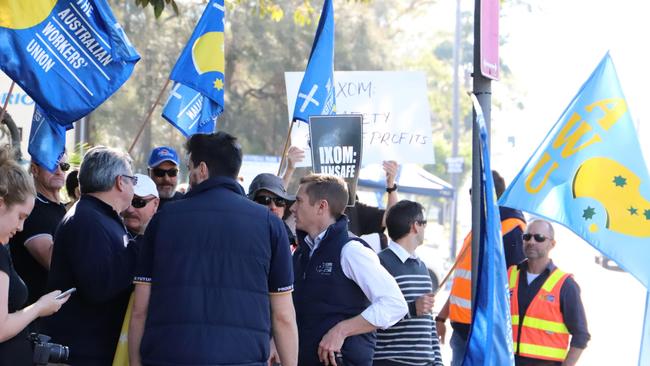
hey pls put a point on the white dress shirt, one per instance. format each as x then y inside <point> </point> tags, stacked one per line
<point>361,265</point>
<point>400,252</point>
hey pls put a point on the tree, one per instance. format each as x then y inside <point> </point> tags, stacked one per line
<point>376,35</point>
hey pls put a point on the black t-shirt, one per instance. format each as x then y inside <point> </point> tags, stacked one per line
<point>364,219</point>
<point>43,220</point>
<point>177,196</point>
<point>17,350</point>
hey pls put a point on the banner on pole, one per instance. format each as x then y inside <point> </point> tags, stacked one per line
<point>69,56</point>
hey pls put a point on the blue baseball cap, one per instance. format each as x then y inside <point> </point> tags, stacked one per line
<point>162,154</point>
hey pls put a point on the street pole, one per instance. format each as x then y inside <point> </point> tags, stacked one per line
<point>454,135</point>
<point>483,91</point>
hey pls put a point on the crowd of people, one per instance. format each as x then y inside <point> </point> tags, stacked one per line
<point>221,276</point>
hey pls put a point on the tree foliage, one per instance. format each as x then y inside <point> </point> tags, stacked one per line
<point>260,45</point>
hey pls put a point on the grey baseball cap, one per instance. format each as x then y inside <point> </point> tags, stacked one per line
<point>271,183</point>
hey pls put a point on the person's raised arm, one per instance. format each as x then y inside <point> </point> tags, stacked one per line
<point>390,167</point>
<point>294,155</point>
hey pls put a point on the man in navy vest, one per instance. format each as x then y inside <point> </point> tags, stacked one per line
<point>214,273</point>
<point>342,293</point>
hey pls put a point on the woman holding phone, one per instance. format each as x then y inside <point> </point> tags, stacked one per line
<point>17,196</point>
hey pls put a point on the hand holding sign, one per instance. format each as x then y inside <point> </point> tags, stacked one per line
<point>295,155</point>
<point>390,167</point>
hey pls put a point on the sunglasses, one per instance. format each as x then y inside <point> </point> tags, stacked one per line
<point>158,172</point>
<point>64,167</point>
<point>138,202</point>
<point>421,222</point>
<point>538,237</point>
<point>133,178</point>
<point>266,200</point>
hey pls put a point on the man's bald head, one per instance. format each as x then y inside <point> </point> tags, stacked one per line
<point>549,232</point>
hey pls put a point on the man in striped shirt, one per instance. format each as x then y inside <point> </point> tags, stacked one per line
<point>414,339</point>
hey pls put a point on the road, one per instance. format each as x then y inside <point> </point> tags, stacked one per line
<point>614,303</point>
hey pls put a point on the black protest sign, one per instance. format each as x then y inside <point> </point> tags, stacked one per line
<point>336,147</point>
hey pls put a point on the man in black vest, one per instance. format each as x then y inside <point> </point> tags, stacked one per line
<point>342,293</point>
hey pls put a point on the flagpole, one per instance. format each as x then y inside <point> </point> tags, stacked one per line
<point>148,117</point>
<point>286,147</point>
<point>483,91</point>
<point>4,106</point>
<point>459,258</point>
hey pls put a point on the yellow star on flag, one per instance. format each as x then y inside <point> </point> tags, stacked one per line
<point>218,84</point>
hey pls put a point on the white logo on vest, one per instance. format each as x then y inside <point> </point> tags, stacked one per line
<point>325,268</point>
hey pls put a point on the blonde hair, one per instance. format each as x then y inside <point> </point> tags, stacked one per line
<point>15,184</point>
<point>331,188</point>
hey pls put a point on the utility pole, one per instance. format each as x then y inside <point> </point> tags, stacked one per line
<point>454,137</point>
<point>486,67</point>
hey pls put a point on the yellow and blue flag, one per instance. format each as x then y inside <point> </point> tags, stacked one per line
<point>589,175</point>
<point>200,67</point>
<point>316,93</point>
<point>190,111</point>
<point>490,336</point>
<point>68,55</point>
<point>46,140</point>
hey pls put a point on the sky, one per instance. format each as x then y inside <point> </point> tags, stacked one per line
<point>552,50</point>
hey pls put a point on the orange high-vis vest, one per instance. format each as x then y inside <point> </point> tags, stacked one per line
<point>460,298</point>
<point>539,333</point>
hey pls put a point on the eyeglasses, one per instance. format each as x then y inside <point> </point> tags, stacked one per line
<point>421,222</point>
<point>158,172</point>
<point>266,200</point>
<point>64,167</point>
<point>538,237</point>
<point>133,178</point>
<point>138,202</point>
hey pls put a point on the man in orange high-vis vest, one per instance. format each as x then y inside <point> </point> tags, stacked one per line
<point>549,326</point>
<point>458,306</point>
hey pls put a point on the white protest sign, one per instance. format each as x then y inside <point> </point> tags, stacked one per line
<point>395,109</point>
<point>20,107</point>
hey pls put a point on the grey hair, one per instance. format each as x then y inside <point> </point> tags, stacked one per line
<point>99,168</point>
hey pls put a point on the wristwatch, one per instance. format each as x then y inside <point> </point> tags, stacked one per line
<point>392,189</point>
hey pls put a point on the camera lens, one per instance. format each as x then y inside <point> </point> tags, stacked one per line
<point>58,353</point>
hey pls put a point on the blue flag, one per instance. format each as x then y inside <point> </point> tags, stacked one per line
<point>69,56</point>
<point>201,64</point>
<point>190,111</point>
<point>46,140</point>
<point>589,175</point>
<point>316,93</point>
<point>490,337</point>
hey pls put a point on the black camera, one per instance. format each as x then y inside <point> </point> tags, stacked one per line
<point>46,352</point>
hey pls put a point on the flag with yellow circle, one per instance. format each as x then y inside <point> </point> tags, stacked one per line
<point>201,64</point>
<point>589,175</point>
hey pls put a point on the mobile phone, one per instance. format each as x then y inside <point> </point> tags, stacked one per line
<point>339,359</point>
<point>66,293</point>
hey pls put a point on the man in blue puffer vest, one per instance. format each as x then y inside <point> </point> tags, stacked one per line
<point>342,293</point>
<point>214,272</point>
